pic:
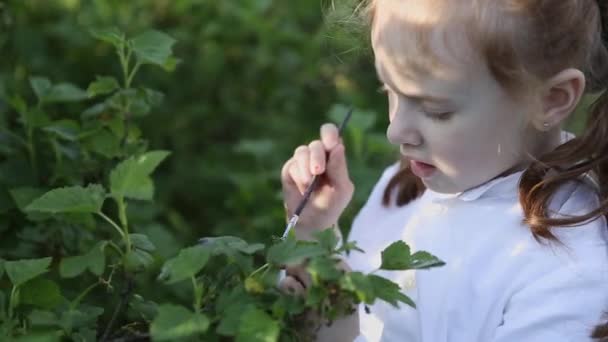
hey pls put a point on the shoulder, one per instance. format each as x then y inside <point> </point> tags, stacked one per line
<point>577,198</point>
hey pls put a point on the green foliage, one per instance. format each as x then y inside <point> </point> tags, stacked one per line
<point>91,217</point>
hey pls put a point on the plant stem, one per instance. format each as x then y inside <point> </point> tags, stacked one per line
<point>265,266</point>
<point>124,299</point>
<point>112,223</point>
<point>83,294</point>
<point>132,74</point>
<point>11,303</point>
<point>197,295</point>
<point>122,215</point>
<point>116,248</point>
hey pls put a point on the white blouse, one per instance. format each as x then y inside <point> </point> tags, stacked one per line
<point>499,284</point>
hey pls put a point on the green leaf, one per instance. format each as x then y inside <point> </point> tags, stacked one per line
<point>389,291</point>
<point>104,143</point>
<point>290,252</point>
<point>102,85</point>
<point>20,271</point>
<point>153,47</point>
<point>323,269</point>
<point>65,129</point>
<point>138,260</point>
<point>41,86</point>
<point>396,256</point>
<point>257,326</point>
<point>131,178</point>
<point>110,35</point>
<point>42,293</point>
<point>1,268</point>
<point>175,322</point>
<point>25,195</point>
<point>94,260</point>
<point>224,244</point>
<point>186,264</point>
<point>424,260</point>
<point>360,284</point>
<point>327,239</point>
<point>142,242</point>
<point>65,92</point>
<point>40,318</point>
<point>75,199</point>
<point>83,316</point>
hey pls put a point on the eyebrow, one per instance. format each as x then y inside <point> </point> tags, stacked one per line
<point>418,97</point>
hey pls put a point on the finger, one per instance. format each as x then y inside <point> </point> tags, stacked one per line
<point>295,174</point>
<point>300,274</point>
<point>337,169</point>
<point>290,187</point>
<point>291,286</point>
<point>302,157</point>
<point>329,136</point>
<point>317,157</point>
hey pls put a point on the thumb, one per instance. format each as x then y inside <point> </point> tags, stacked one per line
<point>337,170</point>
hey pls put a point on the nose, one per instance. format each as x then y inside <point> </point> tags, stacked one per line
<point>403,130</point>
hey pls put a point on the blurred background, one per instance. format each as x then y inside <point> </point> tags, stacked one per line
<point>256,79</point>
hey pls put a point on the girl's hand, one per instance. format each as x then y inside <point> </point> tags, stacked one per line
<point>323,157</point>
<point>344,329</point>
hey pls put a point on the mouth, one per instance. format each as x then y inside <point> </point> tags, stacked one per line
<point>422,169</point>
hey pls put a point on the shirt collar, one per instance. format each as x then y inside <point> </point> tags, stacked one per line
<point>497,187</point>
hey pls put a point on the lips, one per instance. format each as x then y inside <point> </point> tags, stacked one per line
<point>421,169</point>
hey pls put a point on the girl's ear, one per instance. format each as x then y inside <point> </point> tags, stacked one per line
<point>560,97</point>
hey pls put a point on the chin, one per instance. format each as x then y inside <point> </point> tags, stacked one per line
<point>441,187</point>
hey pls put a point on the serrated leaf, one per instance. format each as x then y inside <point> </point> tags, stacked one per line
<point>257,326</point>
<point>42,293</point>
<point>131,179</point>
<point>65,129</point>
<point>324,269</point>
<point>104,143</point>
<point>39,318</point>
<point>142,242</point>
<point>75,199</point>
<point>360,284</point>
<point>175,322</point>
<point>396,256</point>
<point>25,195</point>
<point>138,260</point>
<point>290,252</point>
<point>388,291</point>
<point>94,260</point>
<point>153,47</point>
<point>327,238</point>
<point>41,86</point>
<point>424,260</point>
<point>223,244</point>
<point>83,316</point>
<point>186,264</point>
<point>20,271</point>
<point>109,35</point>
<point>102,85</point>
<point>65,92</point>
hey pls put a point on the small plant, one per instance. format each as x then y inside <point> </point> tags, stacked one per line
<point>74,263</point>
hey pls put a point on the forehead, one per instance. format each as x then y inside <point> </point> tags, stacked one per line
<point>422,39</point>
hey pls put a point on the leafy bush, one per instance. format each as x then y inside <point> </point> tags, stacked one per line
<point>70,183</point>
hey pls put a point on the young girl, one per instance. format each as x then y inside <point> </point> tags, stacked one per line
<point>488,182</point>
